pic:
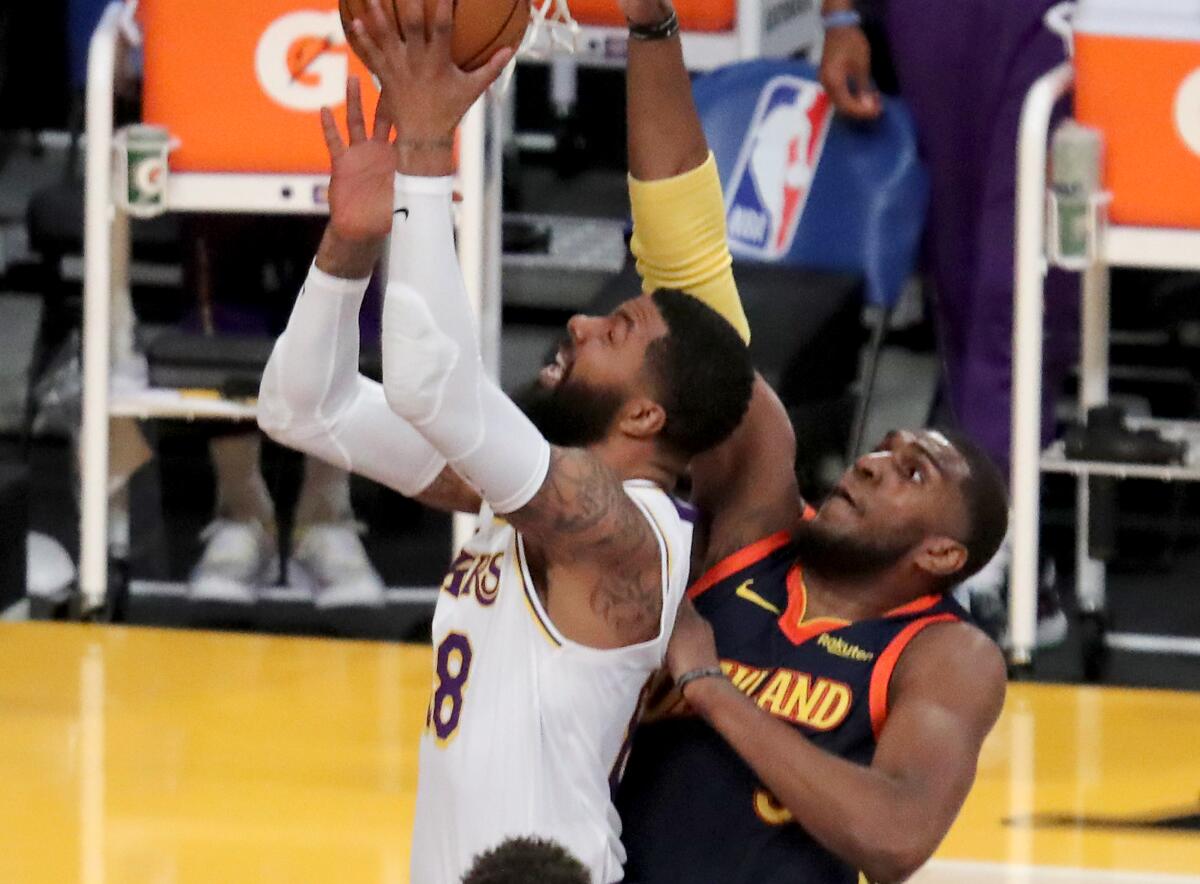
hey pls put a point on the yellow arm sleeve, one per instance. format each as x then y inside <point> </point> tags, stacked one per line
<point>679,240</point>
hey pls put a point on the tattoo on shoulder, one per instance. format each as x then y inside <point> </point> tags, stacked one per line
<point>450,493</point>
<point>630,604</point>
<point>580,493</point>
<point>583,513</point>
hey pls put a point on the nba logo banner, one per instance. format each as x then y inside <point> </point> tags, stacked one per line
<point>775,168</point>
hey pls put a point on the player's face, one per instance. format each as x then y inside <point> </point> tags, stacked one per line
<point>607,352</point>
<point>907,489</point>
<point>576,398</point>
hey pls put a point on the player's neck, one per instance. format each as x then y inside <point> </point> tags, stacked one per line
<point>860,597</point>
<point>638,459</point>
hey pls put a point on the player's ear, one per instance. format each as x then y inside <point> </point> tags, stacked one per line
<point>641,418</point>
<point>941,556</point>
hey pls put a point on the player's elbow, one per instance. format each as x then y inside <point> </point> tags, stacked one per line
<point>278,423</point>
<point>284,416</point>
<point>894,855</point>
<point>892,867</point>
<point>273,414</point>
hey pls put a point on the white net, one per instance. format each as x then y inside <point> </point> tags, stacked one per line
<point>552,30</point>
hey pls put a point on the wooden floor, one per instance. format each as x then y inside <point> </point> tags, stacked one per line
<point>166,757</point>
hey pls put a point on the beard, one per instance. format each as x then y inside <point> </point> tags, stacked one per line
<point>571,414</point>
<point>836,555</point>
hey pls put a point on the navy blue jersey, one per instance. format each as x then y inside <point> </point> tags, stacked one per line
<point>692,811</point>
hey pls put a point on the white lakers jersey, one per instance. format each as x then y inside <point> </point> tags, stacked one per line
<point>527,732</point>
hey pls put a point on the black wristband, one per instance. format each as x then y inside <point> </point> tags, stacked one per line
<point>663,30</point>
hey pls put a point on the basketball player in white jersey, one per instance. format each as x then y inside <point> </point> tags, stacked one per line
<point>559,609</point>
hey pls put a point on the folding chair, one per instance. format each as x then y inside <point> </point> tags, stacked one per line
<point>805,188</point>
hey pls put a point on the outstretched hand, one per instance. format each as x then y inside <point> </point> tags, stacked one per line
<point>360,187</point>
<point>846,73</point>
<point>426,93</point>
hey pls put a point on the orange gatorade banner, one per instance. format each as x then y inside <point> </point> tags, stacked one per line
<point>694,15</point>
<point>239,83</point>
<point>1144,94</point>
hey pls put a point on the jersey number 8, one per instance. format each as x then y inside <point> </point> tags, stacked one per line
<point>453,667</point>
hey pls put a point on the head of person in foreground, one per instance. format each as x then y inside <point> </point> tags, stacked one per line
<point>526,861</point>
<point>662,372</point>
<point>922,512</point>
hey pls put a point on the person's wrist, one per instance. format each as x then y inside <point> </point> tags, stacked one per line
<point>348,257</point>
<point>841,20</point>
<point>702,693</point>
<point>648,14</point>
<point>426,154</point>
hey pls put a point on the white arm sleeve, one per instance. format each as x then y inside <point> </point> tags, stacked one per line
<point>313,399</point>
<point>432,372</point>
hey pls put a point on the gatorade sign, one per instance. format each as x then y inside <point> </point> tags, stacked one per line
<point>1187,111</point>
<point>1137,80</point>
<point>301,61</point>
<point>239,84</point>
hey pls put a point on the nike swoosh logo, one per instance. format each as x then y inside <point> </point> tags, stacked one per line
<point>401,211</point>
<point>745,592</point>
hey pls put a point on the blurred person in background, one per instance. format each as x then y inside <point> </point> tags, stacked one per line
<point>238,267</point>
<point>964,67</point>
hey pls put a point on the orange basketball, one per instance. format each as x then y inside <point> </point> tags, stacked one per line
<point>481,27</point>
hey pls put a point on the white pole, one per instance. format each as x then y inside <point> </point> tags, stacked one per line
<point>97,277</point>
<point>1091,574</point>
<point>749,28</point>
<point>1027,355</point>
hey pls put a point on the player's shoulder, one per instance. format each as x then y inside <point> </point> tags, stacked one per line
<point>664,509</point>
<point>755,560</point>
<point>956,661</point>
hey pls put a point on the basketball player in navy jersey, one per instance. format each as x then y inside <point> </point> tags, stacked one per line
<point>831,698</point>
<point>835,723</point>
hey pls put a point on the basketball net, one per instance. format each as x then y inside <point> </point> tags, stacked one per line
<point>552,30</point>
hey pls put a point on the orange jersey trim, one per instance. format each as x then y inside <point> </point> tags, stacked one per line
<point>744,558</point>
<point>741,559</point>
<point>916,606</point>
<point>792,621</point>
<point>881,675</point>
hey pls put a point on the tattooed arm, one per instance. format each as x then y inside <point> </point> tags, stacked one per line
<point>450,494</point>
<point>594,546</point>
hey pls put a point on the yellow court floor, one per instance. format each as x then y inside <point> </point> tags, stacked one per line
<point>165,757</point>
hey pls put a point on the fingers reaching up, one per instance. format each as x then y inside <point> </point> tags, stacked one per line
<point>356,125</point>
<point>383,122</point>
<point>333,138</point>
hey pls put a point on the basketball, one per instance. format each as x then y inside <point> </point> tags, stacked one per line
<point>481,27</point>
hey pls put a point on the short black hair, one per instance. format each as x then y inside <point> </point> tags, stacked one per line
<point>703,373</point>
<point>985,495</point>
<point>526,861</point>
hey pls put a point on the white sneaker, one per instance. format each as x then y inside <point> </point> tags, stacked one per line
<point>48,568</point>
<point>985,595</point>
<point>329,561</point>
<point>240,557</point>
